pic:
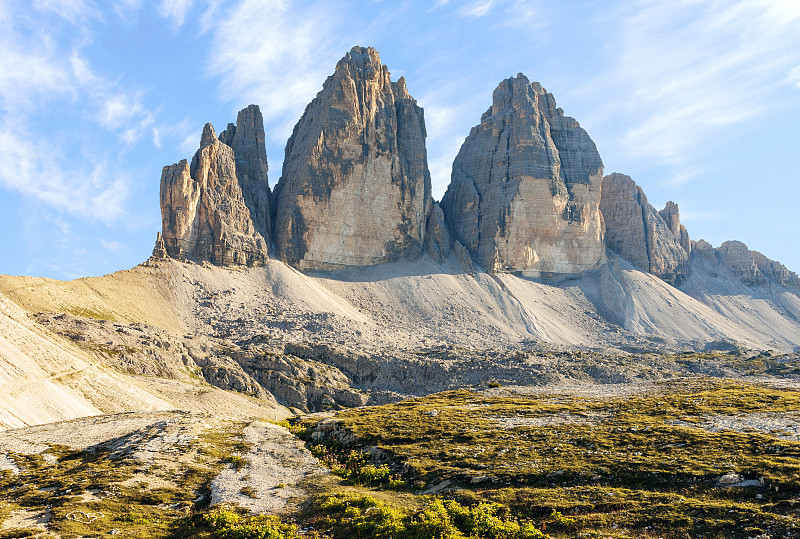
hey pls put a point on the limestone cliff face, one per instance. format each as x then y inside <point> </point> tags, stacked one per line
<point>355,189</point>
<point>671,216</point>
<point>217,207</point>
<point>525,187</point>
<point>638,233</point>
<point>753,268</point>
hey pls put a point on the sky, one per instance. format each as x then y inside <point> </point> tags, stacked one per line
<point>697,100</point>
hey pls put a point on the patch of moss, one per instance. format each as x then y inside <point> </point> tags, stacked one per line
<point>617,467</point>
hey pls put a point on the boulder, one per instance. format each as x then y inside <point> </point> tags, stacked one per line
<point>355,189</point>
<point>525,187</point>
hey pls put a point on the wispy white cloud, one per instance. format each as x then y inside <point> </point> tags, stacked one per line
<point>794,76</point>
<point>39,70</point>
<point>681,72</point>
<point>33,168</point>
<point>111,245</point>
<point>72,10</point>
<point>521,13</point>
<point>277,54</point>
<point>175,10</point>
<point>476,8</point>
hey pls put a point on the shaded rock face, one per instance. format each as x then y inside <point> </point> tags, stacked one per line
<point>638,233</point>
<point>217,207</point>
<point>355,189</point>
<point>753,268</point>
<point>525,187</point>
<point>437,236</point>
<point>671,216</point>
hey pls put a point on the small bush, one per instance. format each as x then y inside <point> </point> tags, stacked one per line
<point>226,524</point>
<point>363,516</point>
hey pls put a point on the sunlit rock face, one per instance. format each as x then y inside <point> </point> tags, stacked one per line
<point>355,189</point>
<point>753,268</point>
<point>638,233</point>
<point>217,207</point>
<point>525,188</point>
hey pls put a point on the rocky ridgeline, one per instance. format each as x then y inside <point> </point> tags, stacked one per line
<point>640,234</point>
<point>527,192</point>
<point>525,189</point>
<point>751,267</point>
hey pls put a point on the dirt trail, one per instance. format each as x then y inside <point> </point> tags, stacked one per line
<point>276,463</point>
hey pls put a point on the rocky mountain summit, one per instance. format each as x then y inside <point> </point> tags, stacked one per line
<point>355,189</point>
<point>640,234</point>
<point>217,207</point>
<point>527,193</point>
<point>525,189</point>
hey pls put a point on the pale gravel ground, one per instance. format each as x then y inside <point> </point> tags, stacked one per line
<point>23,518</point>
<point>276,457</point>
<point>785,426</point>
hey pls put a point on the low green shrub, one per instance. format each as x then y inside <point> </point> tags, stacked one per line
<point>226,524</point>
<point>363,516</point>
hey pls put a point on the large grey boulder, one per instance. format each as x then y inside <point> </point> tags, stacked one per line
<point>355,189</point>
<point>217,207</point>
<point>525,187</point>
<point>638,233</point>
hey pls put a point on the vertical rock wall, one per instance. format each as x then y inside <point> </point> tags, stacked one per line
<point>355,189</point>
<point>639,234</point>
<point>525,187</point>
<point>217,207</point>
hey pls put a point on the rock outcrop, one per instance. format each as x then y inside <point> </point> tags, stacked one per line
<point>671,216</point>
<point>753,268</point>
<point>638,233</point>
<point>437,237</point>
<point>217,207</point>
<point>355,189</point>
<point>525,188</point>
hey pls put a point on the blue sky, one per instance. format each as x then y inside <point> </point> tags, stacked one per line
<point>697,100</point>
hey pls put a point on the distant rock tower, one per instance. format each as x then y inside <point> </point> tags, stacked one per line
<point>640,234</point>
<point>525,187</point>
<point>355,189</point>
<point>218,208</point>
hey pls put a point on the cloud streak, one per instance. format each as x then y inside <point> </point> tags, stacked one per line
<point>41,70</point>
<point>682,72</point>
<point>277,55</point>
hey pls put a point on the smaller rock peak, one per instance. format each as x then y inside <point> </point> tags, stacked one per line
<point>363,63</point>
<point>671,207</point>
<point>209,136</point>
<point>401,90</point>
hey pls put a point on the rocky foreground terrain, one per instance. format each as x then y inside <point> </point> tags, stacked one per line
<point>141,403</point>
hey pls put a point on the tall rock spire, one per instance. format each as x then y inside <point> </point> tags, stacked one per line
<point>355,189</point>
<point>525,187</point>
<point>217,208</point>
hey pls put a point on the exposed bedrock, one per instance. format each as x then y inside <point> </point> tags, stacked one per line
<point>753,268</point>
<point>217,207</point>
<point>355,189</point>
<point>525,187</point>
<point>639,234</point>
